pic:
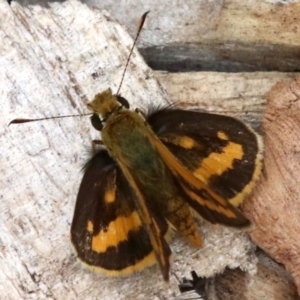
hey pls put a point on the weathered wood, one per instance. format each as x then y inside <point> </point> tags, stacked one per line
<point>239,95</point>
<point>229,35</point>
<point>268,283</point>
<point>52,61</point>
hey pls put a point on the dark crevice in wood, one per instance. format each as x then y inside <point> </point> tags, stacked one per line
<point>229,57</point>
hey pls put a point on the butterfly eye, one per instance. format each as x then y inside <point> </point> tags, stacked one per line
<point>96,122</point>
<point>123,101</point>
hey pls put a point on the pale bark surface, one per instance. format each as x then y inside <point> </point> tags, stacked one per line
<point>52,61</point>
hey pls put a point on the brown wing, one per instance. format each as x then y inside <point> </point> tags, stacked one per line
<point>223,152</point>
<point>107,231</point>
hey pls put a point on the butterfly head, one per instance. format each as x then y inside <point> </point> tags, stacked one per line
<point>104,105</point>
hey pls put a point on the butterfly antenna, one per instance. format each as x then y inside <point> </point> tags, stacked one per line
<point>142,21</point>
<point>19,121</point>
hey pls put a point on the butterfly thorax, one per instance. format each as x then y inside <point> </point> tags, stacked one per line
<point>129,139</point>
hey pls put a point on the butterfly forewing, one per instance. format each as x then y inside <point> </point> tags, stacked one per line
<point>221,151</point>
<point>107,231</point>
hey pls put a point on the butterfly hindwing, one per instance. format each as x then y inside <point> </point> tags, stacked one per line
<point>107,231</point>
